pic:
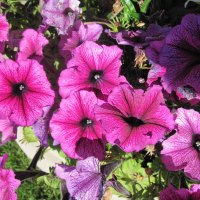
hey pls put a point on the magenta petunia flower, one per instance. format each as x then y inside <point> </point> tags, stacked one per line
<point>181,151</point>
<point>77,35</point>
<point>61,14</point>
<point>180,55</point>
<point>92,66</point>
<point>8,183</point>
<point>24,91</point>
<point>4,27</point>
<point>171,193</point>
<point>134,119</point>
<point>83,181</point>
<point>75,127</point>
<point>31,45</point>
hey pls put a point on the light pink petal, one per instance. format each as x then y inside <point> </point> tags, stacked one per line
<point>8,130</point>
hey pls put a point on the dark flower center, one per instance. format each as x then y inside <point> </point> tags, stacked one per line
<point>133,121</point>
<point>85,122</point>
<point>19,88</point>
<point>196,142</point>
<point>68,12</point>
<point>95,76</point>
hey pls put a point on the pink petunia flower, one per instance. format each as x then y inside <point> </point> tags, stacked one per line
<point>24,91</point>
<point>31,45</point>
<point>8,130</point>
<point>77,35</point>
<point>4,27</point>
<point>8,183</point>
<point>75,127</point>
<point>134,119</point>
<point>171,193</point>
<point>181,151</point>
<point>92,66</point>
<point>61,14</point>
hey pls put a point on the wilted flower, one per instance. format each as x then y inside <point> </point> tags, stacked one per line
<point>75,127</point>
<point>180,55</point>
<point>31,45</point>
<point>92,67</point>
<point>24,91</point>
<point>171,193</point>
<point>133,118</point>
<point>8,183</point>
<point>61,14</point>
<point>77,35</point>
<point>181,150</point>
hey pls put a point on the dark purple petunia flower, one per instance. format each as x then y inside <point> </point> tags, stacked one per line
<point>171,193</point>
<point>180,55</point>
<point>60,14</point>
<point>152,40</point>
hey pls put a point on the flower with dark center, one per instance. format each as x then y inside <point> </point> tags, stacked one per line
<point>85,122</point>
<point>24,91</point>
<point>95,76</point>
<point>180,55</point>
<point>133,121</point>
<point>182,150</point>
<point>75,127</point>
<point>19,89</point>
<point>92,67</point>
<point>133,118</point>
<point>61,14</point>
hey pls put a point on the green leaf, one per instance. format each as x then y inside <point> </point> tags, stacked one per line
<point>145,6</point>
<point>29,135</point>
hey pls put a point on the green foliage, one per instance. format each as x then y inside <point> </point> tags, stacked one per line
<point>29,135</point>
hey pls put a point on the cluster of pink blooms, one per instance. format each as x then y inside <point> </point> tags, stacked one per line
<point>98,105</point>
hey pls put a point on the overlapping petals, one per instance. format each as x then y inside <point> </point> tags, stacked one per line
<point>77,35</point>
<point>75,127</point>
<point>171,193</point>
